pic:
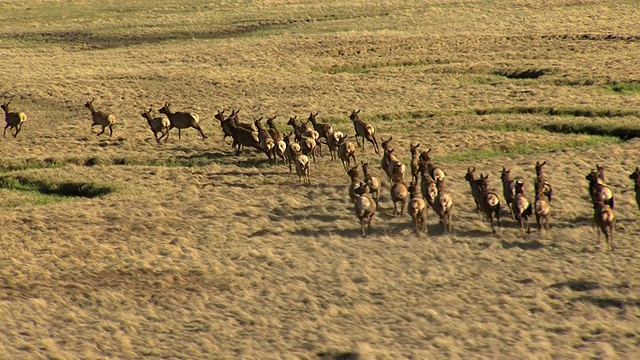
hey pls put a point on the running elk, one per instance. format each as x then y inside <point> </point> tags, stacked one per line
<point>365,131</point>
<point>14,119</point>
<point>543,180</point>
<point>180,120</point>
<point>635,176</point>
<point>157,125</point>
<point>489,201</point>
<point>417,208</point>
<point>101,118</point>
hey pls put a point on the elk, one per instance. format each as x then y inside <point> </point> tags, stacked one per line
<point>266,142</point>
<point>542,180</point>
<point>399,194</point>
<point>443,206</point>
<point>157,125</point>
<point>180,120</point>
<point>415,161</point>
<point>396,168</point>
<point>489,201</point>
<point>372,181</point>
<point>386,156</point>
<point>14,119</point>
<point>470,176</point>
<point>225,123</point>
<point>364,130</point>
<point>598,190</point>
<point>324,130</point>
<point>243,137</point>
<point>298,127</point>
<point>302,168</point>
<point>276,135</point>
<point>356,183</point>
<point>429,189</point>
<point>522,208</point>
<point>417,208</point>
<point>292,149</point>
<point>605,221</point>
<point>542,208</point>
<point>365,208</point>
<point>435,172</point>
<point>101,118</point>
<point>635,176</point>
<point>332,143</point>
<point>346,152</point>
<point>508,190</point>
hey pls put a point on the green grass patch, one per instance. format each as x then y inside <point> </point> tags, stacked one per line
<point>526,149</point>
<point>553,111</point>
<point>56,189</point>
<point>624,88</point>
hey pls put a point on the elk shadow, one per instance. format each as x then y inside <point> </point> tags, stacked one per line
<point>577,285</point>
<point>524,245</point>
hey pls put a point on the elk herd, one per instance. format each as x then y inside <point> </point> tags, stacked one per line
<point>426,189</point>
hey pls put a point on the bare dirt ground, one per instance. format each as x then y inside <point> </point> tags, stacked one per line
<point>185,250</point>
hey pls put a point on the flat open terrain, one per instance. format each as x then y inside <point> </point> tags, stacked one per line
<point>118,248</point>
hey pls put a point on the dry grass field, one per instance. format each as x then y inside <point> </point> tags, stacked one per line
<point>117,248</point>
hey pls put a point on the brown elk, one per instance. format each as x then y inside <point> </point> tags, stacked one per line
<point>542,208</point>
<point>522,207</point>
<point>508,190</point>
<point>179,120</point>
<point>100,118</point>
<point>443,206</point>
<point>415,161</point>
<point>426,165</point>
<point>399,194</point>
<point>324,130</point>
<point>417,208</point>
<point>13,119</point>
<point>346,152</point>
<point>635,176</point>
<point>605,221</point>
<point>543,180</point>
<point>365,208</point>
<point>598,190</point>
<point>489,201</point>
<point>470,176</point>
<point>365,130</point>
<point>157,125</point>
<point>372,181</point>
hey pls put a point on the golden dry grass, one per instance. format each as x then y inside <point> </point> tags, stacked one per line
<point>200,254</point>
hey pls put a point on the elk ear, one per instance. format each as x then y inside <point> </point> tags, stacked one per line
<point>358,112</point>
<point>544,163</point>
<point>317,112</point>
<point>418,145</point>
<point>295,117</point>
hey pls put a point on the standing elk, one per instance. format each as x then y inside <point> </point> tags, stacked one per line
<point>101,118</point>
<point>181,120</point>
<point>14,119</point>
